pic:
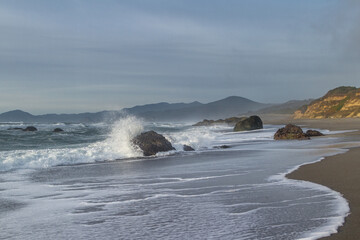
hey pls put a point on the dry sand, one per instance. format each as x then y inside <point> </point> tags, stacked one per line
<point>340,172</point>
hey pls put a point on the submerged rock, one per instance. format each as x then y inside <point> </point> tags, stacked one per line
<point>30,129</point>
<point>151,143</point>
<point>187,148</point>
<point>222,147</point>
<point>290,132</point>
<point>16,128</point>
<point>250,123</point>
<point>313,133</point>
<point>58,130</point>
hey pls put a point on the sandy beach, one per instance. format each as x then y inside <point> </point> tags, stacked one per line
<point>340,172</point>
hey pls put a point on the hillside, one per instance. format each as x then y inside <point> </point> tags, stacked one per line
<point>341,102</point>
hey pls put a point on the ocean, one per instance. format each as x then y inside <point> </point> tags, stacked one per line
<point>90,182</point>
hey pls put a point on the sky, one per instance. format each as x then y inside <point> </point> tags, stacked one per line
<point>74,56</point>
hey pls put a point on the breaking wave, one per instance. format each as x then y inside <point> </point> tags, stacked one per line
<point>117,145</point>
<point>81,143</point>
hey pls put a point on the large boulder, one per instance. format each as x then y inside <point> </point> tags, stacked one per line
<point>151,143</point>
<point>313,133</point>
<point>290,132</point>
<point>250,123</point>
<point>30,129</point>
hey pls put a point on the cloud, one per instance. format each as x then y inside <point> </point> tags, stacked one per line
<point>133,52</point>
<point>343,25</point>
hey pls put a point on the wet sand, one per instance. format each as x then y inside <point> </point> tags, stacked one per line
<point>340,172</point>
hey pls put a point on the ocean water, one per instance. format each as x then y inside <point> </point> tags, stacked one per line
<point>90,182</point>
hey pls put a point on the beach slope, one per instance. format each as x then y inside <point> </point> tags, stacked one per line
<point>340,173</point>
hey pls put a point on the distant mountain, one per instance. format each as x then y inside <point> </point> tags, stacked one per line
<point>80,117</point>
<point>163,106</point>
<point>17,116</point>
<point>228,107</point>
<point>21,116</point>
<point>284,108</point>
<point>341,102</point>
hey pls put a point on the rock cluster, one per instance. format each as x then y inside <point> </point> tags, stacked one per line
<point>33,129</point>
<point>230,121</point>
<point>293,132</point>
<point>27,129</point>
<point>290,132</point>
<point>240,124</point>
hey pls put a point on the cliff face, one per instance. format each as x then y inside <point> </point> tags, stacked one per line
<point>341,102</point>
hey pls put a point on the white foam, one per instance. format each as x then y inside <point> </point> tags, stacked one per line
<point>117,145</point>
<point>341,210</point>
<point>196,137</point>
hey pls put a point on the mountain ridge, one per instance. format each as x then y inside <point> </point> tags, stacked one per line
<point>163,111</point>
<point>223,108</point>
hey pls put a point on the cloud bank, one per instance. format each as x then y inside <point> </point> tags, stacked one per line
<point>77,55</point>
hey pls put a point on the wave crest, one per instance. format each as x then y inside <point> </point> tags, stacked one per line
<point>116,146</point>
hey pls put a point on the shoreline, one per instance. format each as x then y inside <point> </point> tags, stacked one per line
<point>340,172</point>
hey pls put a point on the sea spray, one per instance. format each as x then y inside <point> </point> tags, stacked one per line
<point>196,137</point>
<point>121,135</point>
<point>116,145</point>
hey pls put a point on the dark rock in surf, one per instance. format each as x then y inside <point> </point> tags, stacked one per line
<point>58,130</point>
<point>30,129</point>
<point>205,122</point>
<point>290,132</point>
<point>187,148</point>
<point>151,143</point>
<point>250,123</point>
<point>233,120</point>
<point>313,133</point>
<point>222,147</point>
<point>230,121</point>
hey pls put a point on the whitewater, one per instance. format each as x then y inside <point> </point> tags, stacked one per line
<point>91,182</point>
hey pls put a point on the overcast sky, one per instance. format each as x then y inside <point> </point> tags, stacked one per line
<point>86,55</point>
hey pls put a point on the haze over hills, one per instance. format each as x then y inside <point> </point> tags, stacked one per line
<point>228,107</point>
<point>339,102</point>
<point>288,107</point>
